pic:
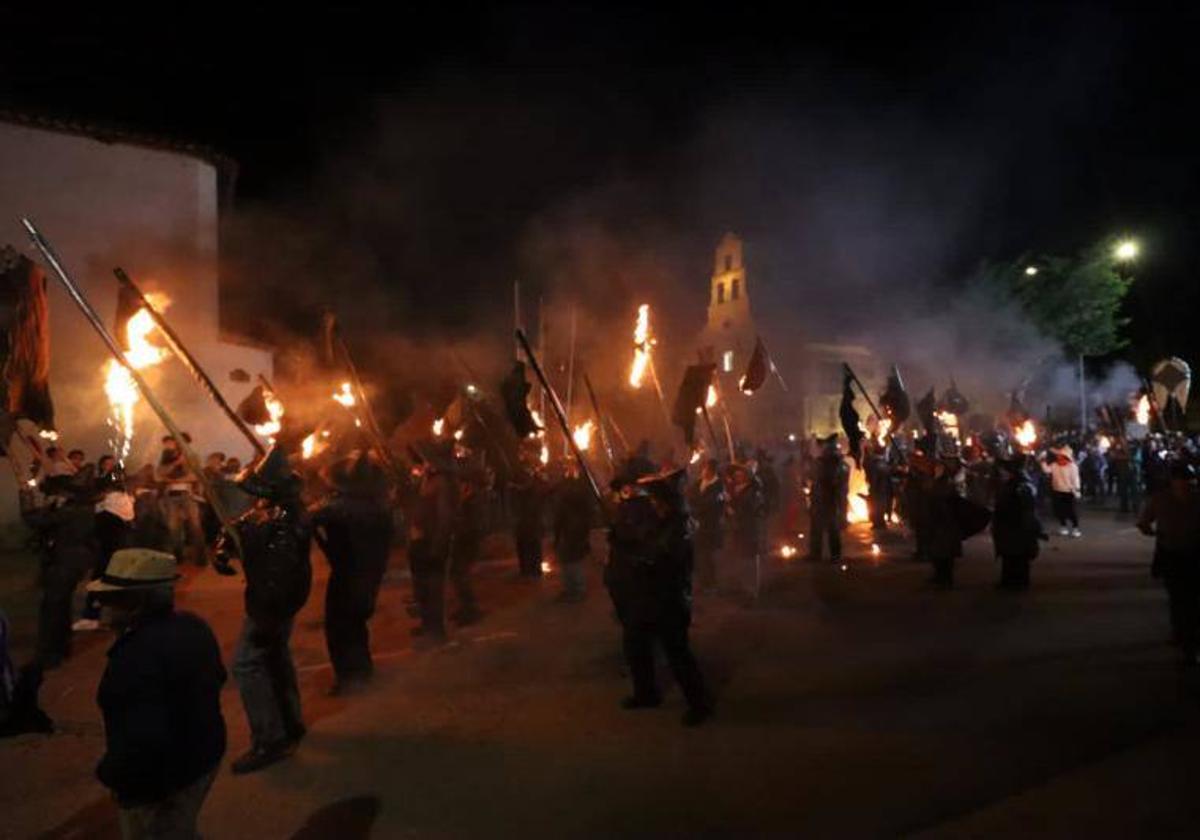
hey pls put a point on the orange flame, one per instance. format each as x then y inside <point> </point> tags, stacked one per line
<point>1143,410</point>
<point>344,396</point>
<point>856,505</point>
<point>1026,434</point>
<point>275,408</point>
<point>711,399</point>
<point>439,426</point>
<point>641,347</point>
<point>119,387</point>
<point>949,423</point>
<point>582,435</point>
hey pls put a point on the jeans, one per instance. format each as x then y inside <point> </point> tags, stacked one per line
<point>172,818</point>
<point>266,678</point>
<point>183,523</point>
<point>1064,509</point>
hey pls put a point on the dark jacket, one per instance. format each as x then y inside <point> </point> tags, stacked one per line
<point>944,535</point>
<point>749,518</point>
<point>355,532</point>
<point>276,544</point>
<point>160,697</point>
<point>649,573</point>
<point>1174,521</point>
<point>708,506</point>
<point>431,524</point>
<point>1016,529</point>
<point>67,534</point>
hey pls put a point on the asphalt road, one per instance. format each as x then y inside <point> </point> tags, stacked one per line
<point>856,702</point>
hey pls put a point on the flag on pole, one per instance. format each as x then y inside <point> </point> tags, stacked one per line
<point>758,368</point>
<point>926,409</point>
<point>850,420</point>
<point>894,399</point>
<point>514,390</point>
<point>693,391</point>
<point>25,346</point>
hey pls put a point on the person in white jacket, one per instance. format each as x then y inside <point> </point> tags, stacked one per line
<point>1064,490</point>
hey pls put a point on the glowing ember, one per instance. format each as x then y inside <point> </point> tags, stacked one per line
<point>544,457</point>
<point>344,396</point>
<point>641,347</point>
<point>875,549</point>
<point>711,399</point>
<point>314,445</point>
<point>119,387</point>
<point>458,434</point>
<point>439,426</point>
<point>583,435</point>
<point>787,552</point>
<point>275,408</point>
<point>949,423</point>
<point>546,567</point>
<point>1143,410</point>
<point>696,456</point>
<point>1026,434</point>
<point>48,434</point>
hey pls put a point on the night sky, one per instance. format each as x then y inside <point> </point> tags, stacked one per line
<point>443,145</point>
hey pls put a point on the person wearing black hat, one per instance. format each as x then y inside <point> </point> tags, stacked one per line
<point>65,525</point>
<point>353,526</point>
<point>1016,529</point>
<point>827,501</point>
<point>467,542</point>
<point>430,535</point>
<point>529,491</point>
<point>748,525</point>
<point>161,699</point>
<point>708,506</point>
<point>275,538</point>
<point>649,576</point>
<point>1172,516</point>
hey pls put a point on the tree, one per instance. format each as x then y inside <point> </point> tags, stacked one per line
<point>1075,301</point>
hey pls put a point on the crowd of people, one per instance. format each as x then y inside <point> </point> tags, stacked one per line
<point>665,521</point>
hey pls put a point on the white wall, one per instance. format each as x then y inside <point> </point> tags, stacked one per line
<point>155,214</point>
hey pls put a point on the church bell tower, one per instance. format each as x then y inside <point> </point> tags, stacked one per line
<point>729,333</point>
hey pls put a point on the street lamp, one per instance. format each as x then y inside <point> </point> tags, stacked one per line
<point>1126,250</point>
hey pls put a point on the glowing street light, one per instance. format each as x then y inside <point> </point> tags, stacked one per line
<point>1126,250</point>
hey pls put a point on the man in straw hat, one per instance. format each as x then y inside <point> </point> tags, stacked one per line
<point>160,698</point>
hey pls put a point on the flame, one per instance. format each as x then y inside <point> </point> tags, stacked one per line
<point>583,435</point>
<point>711,399</point>
<point>875,550</point>
<point>119,387</point>
<point>48,434</point>
<point>1143,410</point>
<point>1104,443</point>
<point>544,456</point>
<point>787,552</point>
<point>275,408</point>
<point>696,456</point>
<point>1026,434</point>
<point>883,429</point>
<point>546,567</point>
<point>439,425</point>
<point>856,505</point>
<point>458,434</point>
<point>949,422</point>
<point>641,346</point>
<point>344,396</point>
<point>314,444</point>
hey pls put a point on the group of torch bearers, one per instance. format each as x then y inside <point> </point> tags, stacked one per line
<point>332,478</point>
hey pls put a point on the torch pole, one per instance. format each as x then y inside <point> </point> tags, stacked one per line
<point>712,433</point>
<point>93,318</point>
<point>367,413</point>
<point>604,440</point>
<point>189,361</point>
<point>662,401</point>
<point>571,373</point>
<point>548,390</point>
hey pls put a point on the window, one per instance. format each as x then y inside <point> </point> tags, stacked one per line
<point>735,289</point>
<point>720,293</point>
<point>727,361</point>
<point>729,262</point>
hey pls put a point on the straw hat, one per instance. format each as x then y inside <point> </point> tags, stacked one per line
<point>136,568</point>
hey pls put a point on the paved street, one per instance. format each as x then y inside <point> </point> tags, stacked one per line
<point>851,703</point>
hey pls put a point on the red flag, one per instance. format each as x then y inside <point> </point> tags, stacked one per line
<point>25,322</point>
<point>756,372</point>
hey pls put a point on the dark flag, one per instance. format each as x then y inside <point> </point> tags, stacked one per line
<point>127,306</point>
<point>1017,413</point>
<point>953,402</point>
<point>894,399</point>
<point>253,409</point>
<point>693,391</point>
<point>926,409</point>
<point>514,390</point>
<point>756,372</point>
<point>850,420</point>
<point>25,321</point>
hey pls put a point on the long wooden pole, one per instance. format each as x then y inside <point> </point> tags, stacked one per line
<point>193,463</point>
<point>571,373</point>
<point>604,439</point>
<point>189,361</point>
<point>560,414</point>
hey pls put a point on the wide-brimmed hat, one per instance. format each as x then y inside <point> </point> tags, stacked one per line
<point>270,478</point>
<point>136,568</point>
